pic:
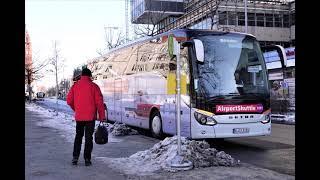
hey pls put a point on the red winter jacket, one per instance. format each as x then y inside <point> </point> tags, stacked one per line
<point>85,98</point>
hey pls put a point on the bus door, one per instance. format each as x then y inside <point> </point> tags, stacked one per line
<point>140,101</point>
<point>118,99</point>
<point>108,98</point>
<point>168,114</point>
<point>128,106</point>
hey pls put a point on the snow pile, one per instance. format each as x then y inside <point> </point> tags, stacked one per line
<point>161,154</point>
<point>119,129</point>
<point>200,153</point>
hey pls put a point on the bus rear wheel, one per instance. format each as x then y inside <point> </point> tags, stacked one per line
<point>156,125</point>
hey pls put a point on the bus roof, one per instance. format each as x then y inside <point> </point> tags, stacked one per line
<point>187,31</point>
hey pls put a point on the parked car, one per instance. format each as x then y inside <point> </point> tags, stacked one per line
<point>40,94</point>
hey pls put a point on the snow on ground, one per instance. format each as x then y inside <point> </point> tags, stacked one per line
<point>59,105</point>
<point>158,157</point>
<point>59,120</point>
<point>54,100</point>
<point>120,129</point>
<point>116,129</point>
<point>55,120</point>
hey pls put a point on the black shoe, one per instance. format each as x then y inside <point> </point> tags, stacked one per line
<point>74,161</point>
<point>87,162</point>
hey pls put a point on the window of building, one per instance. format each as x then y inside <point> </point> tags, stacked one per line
<point>171,19</point>
<point>286,44</point>
<point>289,74</point>
<point>293,19</point>
<point>138,8</point>
<point>260,20</point>
<point>166,6</point>
<point>207,23</point>
<point>277,20</point>
<point>223,18</point>
<point>251,19</point>
<point>232,17</point>
<point>285,20</point>
<point>241,19</point>
<point>268,43</point>
<point>262,43</point>
<point>154,5</point>
<point>269,20</point>
<point>161,25</point>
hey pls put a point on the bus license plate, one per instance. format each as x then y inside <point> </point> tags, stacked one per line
<point>240,130</point>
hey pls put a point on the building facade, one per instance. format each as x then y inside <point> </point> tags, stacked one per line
<point>271,21</point>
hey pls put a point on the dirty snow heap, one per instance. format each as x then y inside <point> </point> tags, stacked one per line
<point>119,129</point>
<point>159,156</point>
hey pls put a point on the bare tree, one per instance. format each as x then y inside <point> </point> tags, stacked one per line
<point>51,91</point>
<point>146,29</point>
<point>64,86</point>
<point>152,26</point>
<point>33,72</point>
<point>113,39</point>
<point>117,41</point>
<point>94,66</point>
<point>58,64</point>
<point>214,11</point>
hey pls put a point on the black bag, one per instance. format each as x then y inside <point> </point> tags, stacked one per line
<point>101,134</point>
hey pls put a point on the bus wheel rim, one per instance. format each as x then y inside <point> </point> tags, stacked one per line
<point>156,125</point>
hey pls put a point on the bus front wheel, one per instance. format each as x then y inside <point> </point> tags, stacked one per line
<point>156,125</point>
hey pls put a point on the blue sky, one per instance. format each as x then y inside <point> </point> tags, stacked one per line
<point>77,26</point>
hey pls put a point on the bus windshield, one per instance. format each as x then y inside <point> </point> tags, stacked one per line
<point>233,65</point>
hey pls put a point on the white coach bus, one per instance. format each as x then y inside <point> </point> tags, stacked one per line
<point>226,94</point>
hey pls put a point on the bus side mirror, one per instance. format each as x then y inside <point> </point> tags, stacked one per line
<point>198,45</point>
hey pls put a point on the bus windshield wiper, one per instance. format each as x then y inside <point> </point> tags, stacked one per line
<point>233,94</point>
<point>222,96</point>
<point>253,94</point>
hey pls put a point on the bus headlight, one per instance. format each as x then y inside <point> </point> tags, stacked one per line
<point>204,119</point>
<point>211,121</point>
<point>267,119</point>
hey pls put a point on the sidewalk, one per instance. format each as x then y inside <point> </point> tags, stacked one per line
<point>48,156</point>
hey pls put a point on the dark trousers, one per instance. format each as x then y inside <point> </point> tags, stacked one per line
<point>87,128</point>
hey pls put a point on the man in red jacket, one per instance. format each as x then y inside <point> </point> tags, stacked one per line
<point>85,98</point>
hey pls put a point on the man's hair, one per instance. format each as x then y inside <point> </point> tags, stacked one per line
<point>86,72</point>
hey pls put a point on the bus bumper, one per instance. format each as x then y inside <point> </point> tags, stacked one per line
<point>254,129</point>
<point>227,130</point>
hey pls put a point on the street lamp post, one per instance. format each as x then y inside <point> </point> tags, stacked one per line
<point>178,162</point>
<point>246,16</point>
